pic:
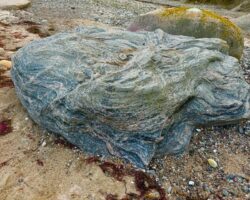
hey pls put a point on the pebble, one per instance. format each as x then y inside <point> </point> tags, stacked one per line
<point>14,4</point>
<point>5,64</point>
<point>44,144</point>
<point>169,190</point>
<point>212,163</point>
<point>205,187</point>
<point>191,183</point>
<point>225,192</point>
<point>246,189</point>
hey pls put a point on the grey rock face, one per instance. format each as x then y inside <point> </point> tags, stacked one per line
<point>130,95</point>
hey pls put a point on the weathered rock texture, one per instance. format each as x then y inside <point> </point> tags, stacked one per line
<point>14,4</point>
<point>192,22</point>
<point>126,94</point>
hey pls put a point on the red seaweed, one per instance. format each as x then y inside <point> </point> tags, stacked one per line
<point>64,143</point>
<point>5,127</point>
<point>92,159</point>
<point>111,197</point>
<point>4,163</point>
<point>116,171</point>
<point>39,162</point>
<point>5,81</point>
<point>144,183</point>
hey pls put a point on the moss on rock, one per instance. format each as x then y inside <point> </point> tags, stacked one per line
<point>193,22</point>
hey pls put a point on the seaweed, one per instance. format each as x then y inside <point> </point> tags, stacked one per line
<point>116,171</point>
<point>5,127</point>
<point>144,183</point>
<point>39,162</point>
<point>63,142</point>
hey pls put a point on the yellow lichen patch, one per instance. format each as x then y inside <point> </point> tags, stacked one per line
<point>172,11</point>
<point>225,21</point>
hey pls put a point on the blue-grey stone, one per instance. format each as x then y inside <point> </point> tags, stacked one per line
<point>131,95</point>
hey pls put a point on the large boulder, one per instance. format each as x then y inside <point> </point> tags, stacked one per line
<point>134,95</point>
<point>192,22</point>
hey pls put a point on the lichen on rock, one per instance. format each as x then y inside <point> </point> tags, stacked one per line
<point>133,95</point>
<point>193,22</point>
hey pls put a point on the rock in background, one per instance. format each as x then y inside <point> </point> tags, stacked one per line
<point>192,22</point>
<point>14,4</point>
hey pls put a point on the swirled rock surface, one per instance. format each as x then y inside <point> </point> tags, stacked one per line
<point>127,94</point>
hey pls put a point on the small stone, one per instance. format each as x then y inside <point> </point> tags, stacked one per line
<point>205,187</point>
<point>202,149</point>
<point>246,189</point>
<point>191,183</point>
<point>152,195</point>
<point>212,163</point>
<point>44,144</point>
<point>5,65</point>
<point>169,190</point>
<point>225,192</point>
<point>241,130</point>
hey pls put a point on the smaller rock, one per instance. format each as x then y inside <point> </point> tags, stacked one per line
<point>151,195</point>
<point>246,189</point>
<point>44,144</point>
<point>14,4</point>
<point>205,187</point>
<point>198,130</point>
<point>225,192</point>
<point>191,183</point>
<point>5,65</point>
<point>169,190</point>
<point>183,21</point>
<point>212,163</point>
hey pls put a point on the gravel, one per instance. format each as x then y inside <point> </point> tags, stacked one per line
<point>118,13</point>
